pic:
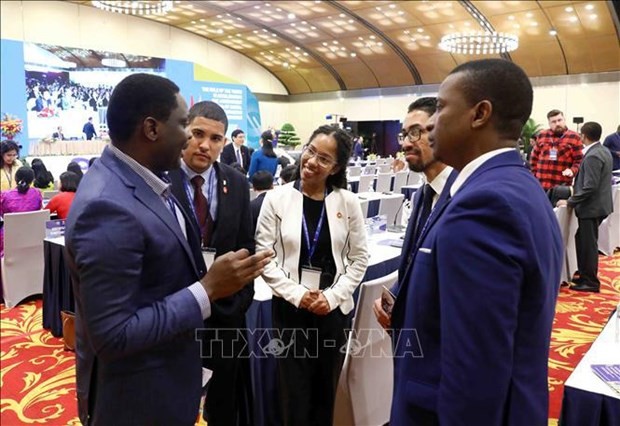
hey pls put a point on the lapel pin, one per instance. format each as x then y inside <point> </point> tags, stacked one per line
<point>339,215</point>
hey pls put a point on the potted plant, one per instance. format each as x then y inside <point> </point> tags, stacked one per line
<point>288,137</point>
<point>529,130</point>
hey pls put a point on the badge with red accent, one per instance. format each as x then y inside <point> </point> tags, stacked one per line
<point>339,215</point>
<point>225,187</point>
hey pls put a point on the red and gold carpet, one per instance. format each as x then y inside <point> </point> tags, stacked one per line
<point>37,377</point>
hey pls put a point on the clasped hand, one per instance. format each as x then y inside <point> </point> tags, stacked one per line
<point>315,302</point>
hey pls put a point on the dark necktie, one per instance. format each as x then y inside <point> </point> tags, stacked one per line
<point>238,151</point>
<point>425,210</point>
<point>201,206</point>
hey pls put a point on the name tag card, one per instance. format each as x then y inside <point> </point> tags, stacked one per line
<point>311,278</point>
<point>208,254</point>
<point>553,154</point>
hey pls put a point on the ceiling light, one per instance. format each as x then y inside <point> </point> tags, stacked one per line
<point>113,62</point>
<point>220,31</point>
<point>379,44</point>
<point>573,19</point>
<point>568,9</point>
<point>593,16</point>
<point>353,54</point>
<point>351,21</point>
<point>313,28</point>
<point>533,24</point>
<point>392,6</point>
<point>291,16</point>
<point>420,30</point>
<point>372,37</point>
<point>553,32</point>
<point>479,43</point>
<point>511,18</point>
<point>467,24</point>
<point>529,14</point>
<point>257,7</point>
<point>138,7</point>
<point>342,15</point>
<point>589,7</point>
<point>285,64</point>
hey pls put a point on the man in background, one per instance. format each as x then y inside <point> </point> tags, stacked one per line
<point>236,152</point>
<point>262,181</point>
<point>612,142</point>
<point>137,271</point>
<point>219,196</point>
<point>58,134</point>
<point>592,201</point>
<point>434,194</point>
<point>89,129</point>
<point>473,324</point>
<point>558,151</point>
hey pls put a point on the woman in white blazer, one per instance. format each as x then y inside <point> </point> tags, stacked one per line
<point>316,230</point>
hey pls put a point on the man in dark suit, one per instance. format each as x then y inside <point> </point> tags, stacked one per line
<point>89,129</point>
<point>434,194</point>
<point>58,134</point>
<point>137,271</point>
<point>236,152</point>
<point>472,324</point>
<point>592,201</point>
<point>225,224</point>
<point>262,181</point>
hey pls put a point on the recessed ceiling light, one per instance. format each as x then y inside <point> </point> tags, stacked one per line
<point>335,42</point>
<point>293,24</point>
<point>516,26</point>
<point>313,28</point>
<point>291,16</point>
<point>406,32</point>
<point>193,22</point>
<point>324,43</point>
<point>342,15</point>
<point>529,14</point>
<point>511,18</point>
<point>400,12</point>
<point>420,30</point>
<point>533,24</point>
<point>568,9</point>
<point>220,31</point>
<point>305,53</point>
<point>593,16</point>
<point>353,54</point>
<point>379,44</point>
<point>573,19</point>
<point>392,6</point>
<point>553,32</point>
<point>257,7</point>
<point>372,37</point>
<point>451,26</point>
<point>202,20</point>
<point>589,7</point>
<point>285,64</point>
<point>351,21</point>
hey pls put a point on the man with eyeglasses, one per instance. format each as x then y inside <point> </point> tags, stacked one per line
<point>439,177</point>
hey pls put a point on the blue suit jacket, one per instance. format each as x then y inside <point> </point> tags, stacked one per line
<point>473,317</point>
<point>138,361</point>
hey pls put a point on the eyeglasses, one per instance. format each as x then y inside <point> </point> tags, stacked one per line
<point>414,134</point>
<point>322,160</point>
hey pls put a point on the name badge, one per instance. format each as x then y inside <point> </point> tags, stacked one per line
<point>311,278</point>
<point>208,254</point>
<point>553,154</point>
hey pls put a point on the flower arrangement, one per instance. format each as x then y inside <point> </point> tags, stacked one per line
<point>371,157</point>
<point>10,126</point>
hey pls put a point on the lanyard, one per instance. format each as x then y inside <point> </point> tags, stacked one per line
<point>312,247</point>
<point>189,191</point>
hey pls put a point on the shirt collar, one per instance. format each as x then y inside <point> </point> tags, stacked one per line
<point>156,183</point>
<point>472,166</point>
<point>586,148</point>
<point>440,180</point>
<point>190,173</point>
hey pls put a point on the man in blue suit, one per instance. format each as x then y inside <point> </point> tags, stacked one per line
<point>434,194</point>
<point>138,275</point>
<point>472,321</point>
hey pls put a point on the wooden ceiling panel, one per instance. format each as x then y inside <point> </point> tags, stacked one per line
<point>319,79</point>
<point>356,75</point>
<point>434,67</point>
<point>543,58</point>
<point>315,46</point>
<point>389,73</point>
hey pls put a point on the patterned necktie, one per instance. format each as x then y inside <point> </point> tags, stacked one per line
<point>201,207</point>
<point>238,151</point>
<point>425,210</point>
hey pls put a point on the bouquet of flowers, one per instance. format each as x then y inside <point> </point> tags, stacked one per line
<point>10,126</point>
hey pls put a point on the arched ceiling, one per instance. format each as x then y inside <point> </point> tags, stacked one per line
<point>319,46</point>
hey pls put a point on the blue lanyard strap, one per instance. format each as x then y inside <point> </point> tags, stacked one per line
<point>312,247</point>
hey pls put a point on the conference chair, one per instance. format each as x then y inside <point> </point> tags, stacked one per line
<point>400,180</point>
<point>23,262</point>
<point>384,182</point>
<point>391,206</point>
<point>414,178</point>
<point>366,182</point>
<point>609,231</point>
<point>354,171</point>
<point>385,168</point>
<point>364,393</point>
<point>563,216</point>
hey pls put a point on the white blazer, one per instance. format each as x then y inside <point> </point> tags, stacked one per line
<point>279,229</point>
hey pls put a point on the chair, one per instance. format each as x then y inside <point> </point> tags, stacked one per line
<point>364,393</point>
<point>384,182</point>
<point>391,207</point>
<point>23,262</point>
<point>385,168</point>
<point>369,170</point>
<point>563,217</point>
<point>414,178</point>
<point>366,182</point>
<point>354,171</point>
<point>400,180</point>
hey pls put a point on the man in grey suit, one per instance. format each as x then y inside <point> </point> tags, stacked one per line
<point>592,202</point>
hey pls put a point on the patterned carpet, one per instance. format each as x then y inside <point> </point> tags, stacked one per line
<point>37,376</point>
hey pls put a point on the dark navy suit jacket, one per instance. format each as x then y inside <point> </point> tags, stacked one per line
<point>472,321</point>
<point>228,155</point>
<point>138,361</point>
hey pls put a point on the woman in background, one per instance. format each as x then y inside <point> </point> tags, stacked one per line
<point>61,203</point>
<point>43,179</point>
<point>9,151</point>
<point>317,230</point>
<point>75,168</point>
<point>265,158</point>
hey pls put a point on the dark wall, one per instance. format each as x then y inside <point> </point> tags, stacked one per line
<point>385,135</point>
